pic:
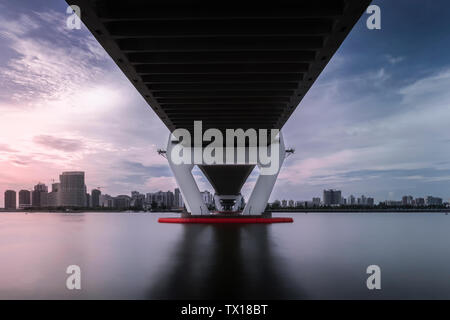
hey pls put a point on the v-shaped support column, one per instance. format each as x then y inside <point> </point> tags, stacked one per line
<point>264,184</point>
<point>185,180</point>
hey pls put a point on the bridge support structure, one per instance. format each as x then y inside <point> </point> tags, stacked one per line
<point>228,182</point>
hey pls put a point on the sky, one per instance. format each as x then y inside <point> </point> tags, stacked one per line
<point>376,122</point>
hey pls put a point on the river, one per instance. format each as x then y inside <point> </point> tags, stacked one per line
<point>132,256</point>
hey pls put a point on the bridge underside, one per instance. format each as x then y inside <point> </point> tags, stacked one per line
<point>227,64</point>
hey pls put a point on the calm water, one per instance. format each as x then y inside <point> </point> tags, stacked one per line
<point>130,255</point>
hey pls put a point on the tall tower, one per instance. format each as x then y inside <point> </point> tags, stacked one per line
<point>72,189</point>
<point>95,198</point>
<point>10,199</point>
<point>24,199</point>
<point>39,196</point>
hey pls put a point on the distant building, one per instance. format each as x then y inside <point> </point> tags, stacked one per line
<point>331,197</point>
<point>137,199</point>
<point>420,202</point>
<point>283,203</point>
<point>316,202</point>
<point>291,204</point>
<point>363,200</point>
<point>276,204</point>
<point>393,203</point>
<point>53,199</point>
<point>178,199</point>
<point>39,196</point>
<point>106,201</point>
<point>433,201</point>
<point>10,199</point>
<point>122,202</point>
<point>88,200</point>
<point>370,201</point>
<point>300,204</point>
<point>24,199</point>
<point>95,198</point>
<point>351,200</point>
<point>72,189</point>
<point>160,199</point>
<point>407,200</point>
<point>207,197</point>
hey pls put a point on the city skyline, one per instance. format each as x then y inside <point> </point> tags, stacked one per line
<point>380,127</point>
<point>329,196</point>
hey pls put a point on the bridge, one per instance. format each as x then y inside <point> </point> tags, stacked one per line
<point>228,64</point>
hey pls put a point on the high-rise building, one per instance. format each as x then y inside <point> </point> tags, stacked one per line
<point>407,200</point>
<point>291,204</point>
<point>433,201</point>
<point>207,197</point>
<point>178,199</point>
<point>24,199</point>
<point>106,201</point>
<point>420,202</point>
<point>351,200</point>
<point>72,189</point>
<point>363,201</point>
<point>88,200</point>
<point>95,198</point>
<point>284,203</point>
<point>39,196</point>
<point>10,199</point>
<point>316,202</point>
<point>122,202</point>
<point>370,201</point>
<point>137,199</point>
<point>53,196</point>
<point>161,199</point>
<point>331,197</point>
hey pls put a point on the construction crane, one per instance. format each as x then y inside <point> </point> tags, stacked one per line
<point>289,152</point>
<point>162,152</point>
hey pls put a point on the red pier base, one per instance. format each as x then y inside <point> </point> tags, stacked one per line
<point>226,220</point>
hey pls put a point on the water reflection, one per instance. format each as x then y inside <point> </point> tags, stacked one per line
<point>223,262</point>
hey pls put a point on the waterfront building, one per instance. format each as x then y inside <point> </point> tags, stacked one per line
<point>10,199</point>
<point>160,199</point>
<point>351,200</point>
<point>122,202</point>
<point>39,196</point>
<point>95,198</point>
<point>433,201</point>
<point>137,199</point>
<point>331,197</point>
<point>178,199</point>
<point>407,200</point>
<point>53,196</point>
<point>316,202</point>
<point>207,197</point>
<point>420,202</point>
<point>106,201</point>
<point>72,189</point>
<point>24,199</point>
<point>88,200</point>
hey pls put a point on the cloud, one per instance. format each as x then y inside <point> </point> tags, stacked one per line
<point>47,67</point>
<point>6,148</point>
<point>63,144</point>
<point>394,60</point>
<point>364,142</point>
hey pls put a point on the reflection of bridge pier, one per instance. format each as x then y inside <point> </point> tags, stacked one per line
<point>224,262</point>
